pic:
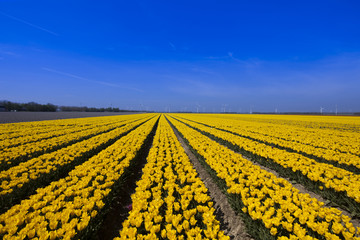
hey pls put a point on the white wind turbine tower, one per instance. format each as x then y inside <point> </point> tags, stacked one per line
<point>336,110</point>
<point>197,107</point>
<point>321,110</point>
<point>225,105</point>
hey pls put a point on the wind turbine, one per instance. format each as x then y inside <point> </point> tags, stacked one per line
<point>336,110</point>
<point>321,110</point>
<point>225,105</point>
<point>197,107</point>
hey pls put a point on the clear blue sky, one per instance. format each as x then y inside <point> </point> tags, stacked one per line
<point>182,55</point>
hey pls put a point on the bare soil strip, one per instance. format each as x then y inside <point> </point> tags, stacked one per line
<point>14,117</point>
<point>231,224</point>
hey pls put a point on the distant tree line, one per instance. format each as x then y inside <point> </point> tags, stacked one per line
<point>91,109</point>
<point>30,106</point>
<point>36,107</point>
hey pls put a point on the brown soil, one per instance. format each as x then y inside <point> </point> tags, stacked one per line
<point>231,224</point>
<point>14,117</point>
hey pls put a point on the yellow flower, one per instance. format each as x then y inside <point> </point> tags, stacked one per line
<point>273,231</point>
<point>176,206</point>
<point>93,213</point>
<point>156,228</point>
<point>52,235</point>
<point>31,233</point>
<point>82,225</point>
<point>163,233</point>
<point>193,221</point>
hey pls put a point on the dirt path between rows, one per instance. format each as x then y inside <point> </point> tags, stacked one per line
<point>231,224</point>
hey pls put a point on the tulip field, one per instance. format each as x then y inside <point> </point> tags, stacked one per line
<point>285,176</point>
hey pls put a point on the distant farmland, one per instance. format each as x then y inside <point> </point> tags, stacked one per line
<point>13,117</point>
<point>180,176</point>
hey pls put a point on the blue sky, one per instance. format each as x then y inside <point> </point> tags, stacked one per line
<point>182,55</point>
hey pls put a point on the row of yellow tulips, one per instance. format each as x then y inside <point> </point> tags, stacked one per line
<point>272,201</point>
<point>13,155</point>
<point>37,170</point>
<point>33,135</point>
<point>15,130</point>
<point>325,175</point>
<point>331,145</point>
<point>341,123</point>
<point>170,202</point>
<point>65,207</point>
